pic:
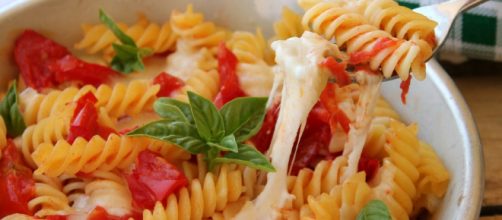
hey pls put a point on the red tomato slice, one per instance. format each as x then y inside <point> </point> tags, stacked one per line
<point>99,213</point>
<point>32,53</point>
<point>337,69</point>
<point>365,56</point>
<point>153,179</point>
<point>56,217</point>
<point>70,68</point>
<point>16,182</point>
<point>44,63</point>
<point>229,82</point>
<point>337,116</point>
<point>263,138</point>
<point>369,166</point>
<point>405,88</point>
<point>168,84</point>
<point>84,122</point>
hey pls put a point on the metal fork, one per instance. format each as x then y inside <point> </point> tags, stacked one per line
<point>444,14</point>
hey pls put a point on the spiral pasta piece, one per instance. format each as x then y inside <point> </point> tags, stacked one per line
<point>49,198</point>
<point>325,176</point>
<point>400,21</point>
<point>204,83</point>
<point>146,34</point>
<point>290,25</point>
<point>201,199</point>
<point>73,187</point>
<point>376,140</point>
<point>191,27</point>
<point>255,75</point>
<point>170,152</point>
<point>109,190</point>
<point>344,201</point>
<point>350,31</point>
<point>87,156</point>
<point>48,130</point>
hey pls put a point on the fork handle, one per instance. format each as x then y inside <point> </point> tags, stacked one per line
<point>468,4</point>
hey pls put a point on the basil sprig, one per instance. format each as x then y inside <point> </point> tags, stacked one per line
<point>374,210</point>
<point>199,127</point>
<point>9,110</point>
<point>128,57</point>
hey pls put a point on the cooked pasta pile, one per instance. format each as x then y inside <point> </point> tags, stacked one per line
<point>332,146</point>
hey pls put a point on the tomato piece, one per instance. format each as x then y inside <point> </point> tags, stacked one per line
<point>229,81</point>
<point>365,56</point>
<point>405,88</point>
<point>44,63</point>
<point>263,138</point>
<point>56,217</point>
<point>341,118</point>
<point>70,68</point>
<point>32,53</point>
<point>99,213</point>
<point>337,69</point>
<point>369,166</point>
<point>84,122</point>
<point>337,116</point>
<point>16,182</point>
<point>313,146</point>
<point>153,179</point>
<point>168,84</point>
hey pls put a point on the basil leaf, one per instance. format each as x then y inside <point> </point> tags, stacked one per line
<point>105,19</point>
<point>170,112</point>
<point>207,119</point>
<point>179,133</point>
<point>244,116</point>
<point>374,210</point>
<point>9,110</point>
<point>128,58</point>
<point>228,143</point>
<point>247,156</point>
<point>184,107</point>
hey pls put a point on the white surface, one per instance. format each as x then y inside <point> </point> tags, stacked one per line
<point>436,104</point>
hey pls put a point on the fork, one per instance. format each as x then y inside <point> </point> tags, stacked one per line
<point>444,14</point>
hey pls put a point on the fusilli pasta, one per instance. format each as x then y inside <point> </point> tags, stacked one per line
<point>3,135</point>
<point>350,31</point>
<point>49,199</point>
<point>201,199</point>
<point>290,25</point>
<point>192,28</point>
<point>87,156</point>
<point>146,34</point>
<point>204,83</point>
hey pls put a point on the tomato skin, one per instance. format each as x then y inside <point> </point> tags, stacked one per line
<point>229,81</point>
<point>44,63</point>
<point>369,165</point>
<point>337,69</point>
<point>99,213</point>
<point>337,116</point>
<point>263,138</point>
<point>16,182</point>
<point>153,179</point>
<point>365,56</point>
<point>56,217</point>
<point>32,53</point>
<point>168,84</point>
<point>70,68</point>
<point>405,88</point>
<point>84,122</point>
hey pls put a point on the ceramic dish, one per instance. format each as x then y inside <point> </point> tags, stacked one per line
<point>435,103</point>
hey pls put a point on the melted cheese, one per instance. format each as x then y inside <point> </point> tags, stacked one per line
<point>186,59</point>
<point>303,82</point>
<point>255,79</point>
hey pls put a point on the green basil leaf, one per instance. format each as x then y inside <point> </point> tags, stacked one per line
<point>179,133</point>
<point>105,19</point>
<point>374,210</point>
<point>247,156</point>
<point>228,143</point>
<point>207,119</point>
<point>244,116</point>
<point>170,112</point>
<point>184,107</point>
<point>127,59</point>
<point>9,110</point>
